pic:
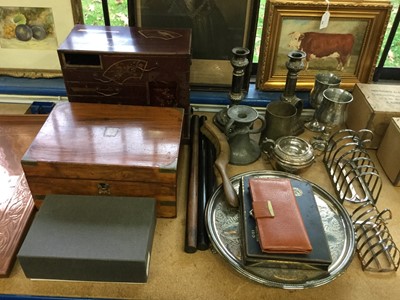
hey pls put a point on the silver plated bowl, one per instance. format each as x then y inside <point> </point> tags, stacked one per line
<point>289,153</point>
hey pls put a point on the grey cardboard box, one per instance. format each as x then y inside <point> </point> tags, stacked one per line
<point>372,108</point>
<point>90,238</point>
<point>388,152</point>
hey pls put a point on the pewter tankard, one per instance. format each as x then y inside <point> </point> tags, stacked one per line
<point>331,114</point>
<point>333,109</point>
<point>323,81</point>
<point>280,118</point>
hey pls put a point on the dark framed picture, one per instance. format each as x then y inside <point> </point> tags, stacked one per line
<point>349,46</point>
<point>217,27</point>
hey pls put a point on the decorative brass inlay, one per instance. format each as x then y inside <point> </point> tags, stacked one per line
<point>123,70</point>
<point>159,34</point>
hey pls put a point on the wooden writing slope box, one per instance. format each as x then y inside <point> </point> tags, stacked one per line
<point>128,65</point>
<point>110,150</point>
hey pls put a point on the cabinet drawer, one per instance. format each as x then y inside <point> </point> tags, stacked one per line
<point>122,71</point>
<point>136,93</point>
<point>126,69</point>
<point>86,75</point>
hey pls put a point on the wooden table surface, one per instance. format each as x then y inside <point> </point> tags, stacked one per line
<point>175,274</point>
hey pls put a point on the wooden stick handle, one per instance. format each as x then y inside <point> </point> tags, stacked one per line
<point>192,204</point>
<point>223,156</point>
<point>229,191</point>
<point>205,171</point>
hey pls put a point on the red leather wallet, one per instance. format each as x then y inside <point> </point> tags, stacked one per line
<point>279,221</point>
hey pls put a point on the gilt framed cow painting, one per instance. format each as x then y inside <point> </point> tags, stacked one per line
<point>348,46</point>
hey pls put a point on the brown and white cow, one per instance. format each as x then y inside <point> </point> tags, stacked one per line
<point>323,46</point>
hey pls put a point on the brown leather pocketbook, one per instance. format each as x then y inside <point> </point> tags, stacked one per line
<point>279,220</point>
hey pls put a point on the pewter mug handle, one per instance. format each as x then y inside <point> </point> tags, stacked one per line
<point>228,126</point>
<point>261,128</point>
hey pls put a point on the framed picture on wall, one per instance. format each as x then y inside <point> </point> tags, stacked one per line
<point>217,27</point>
<point>349,45</point>
<point>30,33</point>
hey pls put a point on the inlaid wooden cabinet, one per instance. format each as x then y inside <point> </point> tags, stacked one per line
<point>128,65</point>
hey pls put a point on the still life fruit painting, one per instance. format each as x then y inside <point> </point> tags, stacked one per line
<point>27,28</point>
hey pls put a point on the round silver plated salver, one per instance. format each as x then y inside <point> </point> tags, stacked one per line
<point>224,230</point>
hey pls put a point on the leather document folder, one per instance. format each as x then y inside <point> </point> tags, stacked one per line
<point>318,258</point>
<point>279,221</point>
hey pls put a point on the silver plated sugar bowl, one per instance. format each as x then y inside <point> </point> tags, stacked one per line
<point>289,154</point>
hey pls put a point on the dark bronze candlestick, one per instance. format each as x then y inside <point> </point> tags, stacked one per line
<point>294,66</point>
<point>239,63</point>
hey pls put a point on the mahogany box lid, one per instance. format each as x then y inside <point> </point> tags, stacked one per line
<point>126,39</point>
<point>115,142</point>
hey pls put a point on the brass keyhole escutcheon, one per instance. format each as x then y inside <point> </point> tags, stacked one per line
<point>103,189</point>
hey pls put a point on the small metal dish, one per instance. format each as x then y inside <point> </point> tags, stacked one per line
<point>289,153</point>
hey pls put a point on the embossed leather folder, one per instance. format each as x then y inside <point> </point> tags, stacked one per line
<point>279,221</point>
<point>318,258</point>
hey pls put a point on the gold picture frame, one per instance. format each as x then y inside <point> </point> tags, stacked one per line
<point>288,25</point>
<point>29,56</point>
